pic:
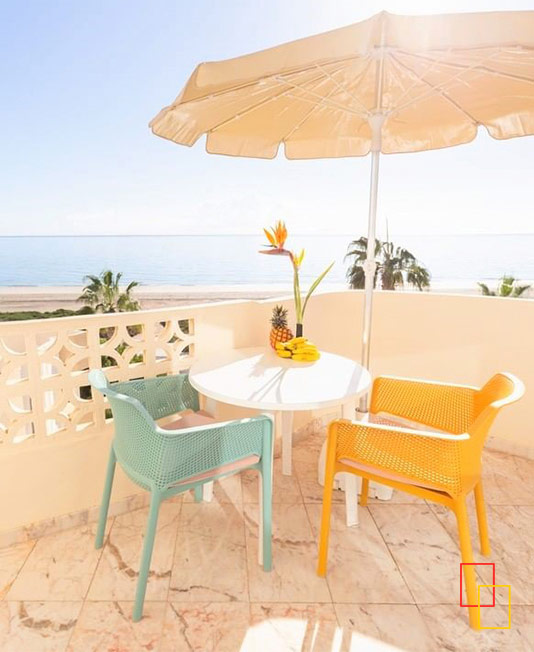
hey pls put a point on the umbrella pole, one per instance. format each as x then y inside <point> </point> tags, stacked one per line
<point>370,262</point>
<point>369,268</point>
<point>376,120</point>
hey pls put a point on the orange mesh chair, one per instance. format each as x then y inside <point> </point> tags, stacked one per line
<point>424,438</point>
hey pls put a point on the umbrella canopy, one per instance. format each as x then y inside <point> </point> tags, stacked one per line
<point>389,84</point>
<point>432,79</point>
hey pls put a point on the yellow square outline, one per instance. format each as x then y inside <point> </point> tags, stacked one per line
<point>494,586</point>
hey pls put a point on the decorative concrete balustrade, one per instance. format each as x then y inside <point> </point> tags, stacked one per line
<point>44,388</point>
<point>55,435</point>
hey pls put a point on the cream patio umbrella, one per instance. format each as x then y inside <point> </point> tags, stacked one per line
<point>388,84</point>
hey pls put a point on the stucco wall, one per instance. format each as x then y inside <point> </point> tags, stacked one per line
<point>446,337</point>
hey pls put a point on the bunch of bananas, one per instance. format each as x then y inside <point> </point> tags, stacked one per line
<point>298,348</point>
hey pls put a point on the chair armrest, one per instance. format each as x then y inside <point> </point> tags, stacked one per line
<point>445,406</point>
<point>400,430</point>
<point>161,396</point>
<point>216,425</point>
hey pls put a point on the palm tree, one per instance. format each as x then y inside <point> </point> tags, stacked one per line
<point>394,266</point>
<point>507,288</point>
<point>103,293</point>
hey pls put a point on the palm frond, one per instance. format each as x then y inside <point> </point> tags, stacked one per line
<point>394,266</point>
<point>485,290</point>
<point>520,289</point>
<point>103,293</point>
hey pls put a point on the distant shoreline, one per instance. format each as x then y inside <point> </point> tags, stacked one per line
<point>43,298</point>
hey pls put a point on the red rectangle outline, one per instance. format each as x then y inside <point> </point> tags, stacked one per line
<point>485,563</point>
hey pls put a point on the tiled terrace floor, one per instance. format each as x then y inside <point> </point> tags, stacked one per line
<point>393,581</point>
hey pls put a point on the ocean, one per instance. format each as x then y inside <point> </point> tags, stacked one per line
<point>453,260</point>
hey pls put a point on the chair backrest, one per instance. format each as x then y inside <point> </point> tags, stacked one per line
<point>500,390</point>
<point>136,442</point>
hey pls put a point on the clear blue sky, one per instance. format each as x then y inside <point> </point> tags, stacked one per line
<point>81,80</point>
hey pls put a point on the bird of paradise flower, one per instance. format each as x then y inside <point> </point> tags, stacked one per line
<point>277,236</point>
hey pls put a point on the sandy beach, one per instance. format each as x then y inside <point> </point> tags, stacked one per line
<point>19,298</point>
<point>151,296</point>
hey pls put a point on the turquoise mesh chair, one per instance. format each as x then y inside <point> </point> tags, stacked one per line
<point>170,461</point>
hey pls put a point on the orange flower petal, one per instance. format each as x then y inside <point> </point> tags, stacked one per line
<point>270,237</point>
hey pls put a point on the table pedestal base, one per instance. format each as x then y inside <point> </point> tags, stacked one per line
<point>349,482</point>
<point>351,485</point>
<point>285,422</point>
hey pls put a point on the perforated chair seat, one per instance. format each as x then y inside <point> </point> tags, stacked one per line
<point>430,463</point>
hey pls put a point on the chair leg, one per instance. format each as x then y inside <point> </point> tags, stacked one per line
<point>327,502</point>
<point>485,547</point>
<point>466,550</point>
<point>104,505</point>
<point>148,546</point>
<point>198,491</point>
<point>266,496</point>
<point>365,492</point>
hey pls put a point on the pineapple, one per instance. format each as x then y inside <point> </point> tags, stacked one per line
<point>279,331</point>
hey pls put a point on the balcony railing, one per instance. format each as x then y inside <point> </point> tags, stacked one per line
<point>55,433</point>
<point>44,389</point>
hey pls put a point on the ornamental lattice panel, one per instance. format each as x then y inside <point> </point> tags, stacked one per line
<point>44,391</point>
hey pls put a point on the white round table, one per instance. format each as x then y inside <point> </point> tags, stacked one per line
<point>257,378</point>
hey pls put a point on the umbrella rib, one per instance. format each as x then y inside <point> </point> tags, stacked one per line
<point>437,89</point>
<point>334,105</point>
<point>253,82</point>
<point>454,78</point>
<point>285,92</point>
<point>249,109</point>
<point>430,69</point>
<point>318,106</point>
<point>299,124</point>
<point>502,47</point>
<point>344,89</point>
<point>476,66</point>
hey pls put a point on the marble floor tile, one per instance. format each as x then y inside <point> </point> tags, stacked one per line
<point>205,627</point>
<point>60,567</point>
<point>118,569</point>
<point>308,448</point>
<point>37,626</point>
<point>523,624</point>
<point>108,627</point>
<point>360,566</point>
<point>293,577</point>
<point>449,626</point>
<point>210,557</point>
<point>312,491</point>
<point>513,550</point>
<point>425,554</point>
<point>11,561</point>
<point>285,487</point>
<point>392,581</point>
<point>511,531</point>
<point>508,479</point>
<point>292,628</point>
<point>400,625</point>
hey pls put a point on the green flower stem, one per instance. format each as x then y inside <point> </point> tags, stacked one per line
<point>296,293</point>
